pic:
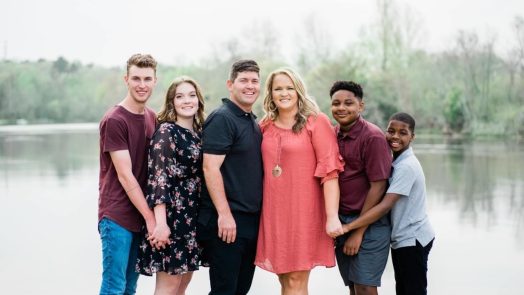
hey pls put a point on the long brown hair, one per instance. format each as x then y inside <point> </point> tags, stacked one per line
<point>168,112</point>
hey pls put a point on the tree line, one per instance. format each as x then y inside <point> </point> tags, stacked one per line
<point>467,89</point>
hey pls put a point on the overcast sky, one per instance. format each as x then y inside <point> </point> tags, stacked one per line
<point>106,32</point>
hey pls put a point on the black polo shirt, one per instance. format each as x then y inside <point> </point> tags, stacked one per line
<point>230,131</point>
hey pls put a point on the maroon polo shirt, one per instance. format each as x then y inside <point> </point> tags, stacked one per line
<point>367,158</point>
<point>123,130</point>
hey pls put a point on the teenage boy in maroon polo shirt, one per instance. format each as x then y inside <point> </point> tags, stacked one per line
<point>361,254</point>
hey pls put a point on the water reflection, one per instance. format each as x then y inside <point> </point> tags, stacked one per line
<point>49,191</point>
<point>484,180</point>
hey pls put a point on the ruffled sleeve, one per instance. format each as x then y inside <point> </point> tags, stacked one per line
<point>161,167</point>
<point>323,138</point>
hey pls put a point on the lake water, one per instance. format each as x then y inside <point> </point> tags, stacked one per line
<point>50,243</point>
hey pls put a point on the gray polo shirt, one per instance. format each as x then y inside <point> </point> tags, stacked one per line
<point>408,216</point>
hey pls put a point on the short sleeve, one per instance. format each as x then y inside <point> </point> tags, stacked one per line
<point>325,144</point>
<point>162,167</point>
<point>402,180</point>
<point>114,132</point>
<point>217,135</point>
<point>378,158</point>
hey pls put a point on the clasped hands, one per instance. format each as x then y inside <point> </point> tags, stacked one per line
<point>158,237</point>
<point>334,228</point>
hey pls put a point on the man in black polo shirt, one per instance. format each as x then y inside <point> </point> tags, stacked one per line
<point>232,194</point>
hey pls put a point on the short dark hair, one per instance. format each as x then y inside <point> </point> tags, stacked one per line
<point>351,86</point>
<point>405,118</point>
<point>243,65</point>
<point>141,61</point>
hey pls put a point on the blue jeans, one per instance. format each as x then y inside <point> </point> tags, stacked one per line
<point>119,254</point>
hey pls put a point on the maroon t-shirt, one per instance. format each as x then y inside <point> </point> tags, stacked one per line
<point>123,130</point>
<point>367,158</point>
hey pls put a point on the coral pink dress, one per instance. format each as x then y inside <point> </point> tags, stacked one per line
<point>292,234</point>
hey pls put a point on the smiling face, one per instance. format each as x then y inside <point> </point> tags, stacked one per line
<point>140,83</point>
<point>185,101</point>
<point>284,93</point>
<point>244,89</point>
<point>346,108</point>
<point>399,136</point>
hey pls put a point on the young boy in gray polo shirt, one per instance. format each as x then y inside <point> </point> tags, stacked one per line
<point>412,235</point>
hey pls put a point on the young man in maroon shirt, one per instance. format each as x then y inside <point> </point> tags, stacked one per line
<point>125,132</point>
<point>361,254</point>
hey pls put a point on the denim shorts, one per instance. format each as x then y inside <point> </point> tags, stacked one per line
<point>367,266</point>
<point>119,257</point>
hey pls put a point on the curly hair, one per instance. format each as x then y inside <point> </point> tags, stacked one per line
<point>168,112</point>
<point>351,86</point>
<point>306,105</point>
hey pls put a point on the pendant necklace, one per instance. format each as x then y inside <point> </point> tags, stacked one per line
<point>277,170</point>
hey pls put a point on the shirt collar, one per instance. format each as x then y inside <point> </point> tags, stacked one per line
<point>236,109</point>
<point>405,154</point>
<point>354,131</point>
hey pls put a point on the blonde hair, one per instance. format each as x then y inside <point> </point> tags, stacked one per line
<point>306,105</point>
<point>168,112</point>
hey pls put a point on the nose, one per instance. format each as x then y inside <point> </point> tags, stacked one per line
<point>336,107</point>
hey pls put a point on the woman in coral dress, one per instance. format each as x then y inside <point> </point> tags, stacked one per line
<point>301,164</point>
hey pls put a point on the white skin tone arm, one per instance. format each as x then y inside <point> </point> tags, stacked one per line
<point>227,228</point>
<point>375,193</point>
<point>374,213</point>
<point>331,200</point>
<point>161,232</point>
<point>122,161</point>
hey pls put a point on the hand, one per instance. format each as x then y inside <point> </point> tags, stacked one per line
<point>347,227</point>
<point>334,227</point>
<point>160,237</point>
<point>150,226</point>
<point>227,228</point>
<point>352,244</point>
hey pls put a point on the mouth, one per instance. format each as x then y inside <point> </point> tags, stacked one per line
<point>394,144</point>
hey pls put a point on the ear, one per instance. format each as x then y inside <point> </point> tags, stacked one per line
<point>362,105</point>
<point>126,78</point>
<point>412,137</point>
<point>229,84</point>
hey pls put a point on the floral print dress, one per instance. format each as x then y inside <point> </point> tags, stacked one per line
<point>174,179</point>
